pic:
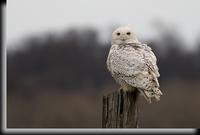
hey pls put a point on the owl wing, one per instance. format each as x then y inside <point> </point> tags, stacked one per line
<point>137,68</point>
<point>151,60</point>
<point>132,66</point>
<point>126,65</point>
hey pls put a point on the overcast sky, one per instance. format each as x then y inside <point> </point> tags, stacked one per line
<point>26,17</point>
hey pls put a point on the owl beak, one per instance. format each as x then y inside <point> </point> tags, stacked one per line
<point>123,39</point>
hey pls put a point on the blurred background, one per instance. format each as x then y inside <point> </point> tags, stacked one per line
<point>56,60</point>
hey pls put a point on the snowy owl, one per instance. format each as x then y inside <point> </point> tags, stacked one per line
<point>133,64</point>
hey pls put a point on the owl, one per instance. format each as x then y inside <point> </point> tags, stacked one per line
<point>133,64</point>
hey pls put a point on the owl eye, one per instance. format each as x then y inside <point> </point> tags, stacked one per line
<point>118,33</point>
<point>128,33</point>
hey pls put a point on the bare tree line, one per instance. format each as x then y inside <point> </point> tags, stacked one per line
<point>77,57</point>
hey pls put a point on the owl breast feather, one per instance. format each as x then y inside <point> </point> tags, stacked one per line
<point>125,60</point>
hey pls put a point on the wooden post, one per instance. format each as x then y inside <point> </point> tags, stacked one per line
<point>120,110</point>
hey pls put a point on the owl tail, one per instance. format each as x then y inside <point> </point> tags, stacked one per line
<point>151,95</point>
<point>157,91</point>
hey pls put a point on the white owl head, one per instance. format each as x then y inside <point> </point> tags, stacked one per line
<point>123,35</point>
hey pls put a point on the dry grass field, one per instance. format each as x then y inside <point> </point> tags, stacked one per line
<point>178,108</point>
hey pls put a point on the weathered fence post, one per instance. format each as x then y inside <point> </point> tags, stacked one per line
<point>120,110</point>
